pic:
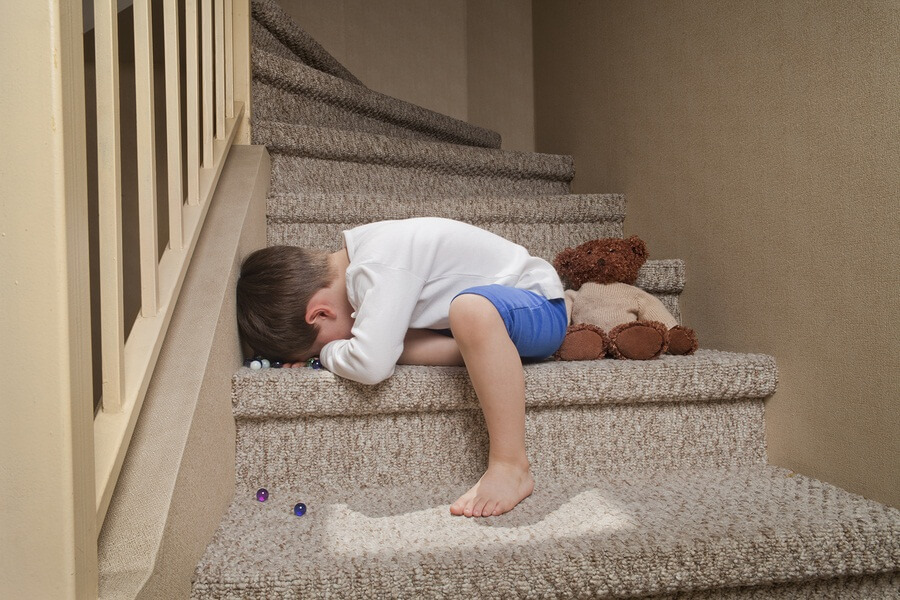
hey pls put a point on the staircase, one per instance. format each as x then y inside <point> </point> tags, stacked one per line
<point>651,477</point>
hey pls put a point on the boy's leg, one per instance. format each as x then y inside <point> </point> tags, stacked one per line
<point>495,369</point>
<point>426,347</point>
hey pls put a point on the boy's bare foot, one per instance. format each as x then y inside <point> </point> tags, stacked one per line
<point>501,487</point>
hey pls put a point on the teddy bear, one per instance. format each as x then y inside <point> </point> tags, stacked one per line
<point>608,314</point>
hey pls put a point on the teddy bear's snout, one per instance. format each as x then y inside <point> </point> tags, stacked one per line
<point>601,262</point>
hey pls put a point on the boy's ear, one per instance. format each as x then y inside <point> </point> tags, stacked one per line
<point>314,313</point>
<point>318,307</point>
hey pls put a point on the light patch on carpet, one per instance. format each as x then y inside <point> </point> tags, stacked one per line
<point>586,512</point>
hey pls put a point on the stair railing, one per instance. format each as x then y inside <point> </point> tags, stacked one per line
<point>213,118</point>
<point>62,456</point>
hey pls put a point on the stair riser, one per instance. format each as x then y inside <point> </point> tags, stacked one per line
<point>391,449</point>
<point>300,207</point>
<point>293,173</point>
<point>871,587</point>
<point>545,240</point>
<point>541,239</point>
<point>279,105</point>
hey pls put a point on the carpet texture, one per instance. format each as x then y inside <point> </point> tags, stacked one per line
<point>651,476</point>
<point>542,224</point>
<point>281,29</point>
<point>451,159</point>
<point>708,375</point>
<point>287,90</point>
<point>625,536</point>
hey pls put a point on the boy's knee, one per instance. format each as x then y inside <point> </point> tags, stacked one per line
<point>473,313</point>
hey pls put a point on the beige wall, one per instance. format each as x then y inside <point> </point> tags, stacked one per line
<point>759,141</point>
<point>471,60</point>
<point>501,70</point>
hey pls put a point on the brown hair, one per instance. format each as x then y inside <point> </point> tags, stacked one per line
<point>274,288</point>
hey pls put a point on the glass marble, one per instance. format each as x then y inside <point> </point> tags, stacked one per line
<point>262,494</point>
<point>299,509</point>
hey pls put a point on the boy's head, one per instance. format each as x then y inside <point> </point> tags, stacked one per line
<point>273,291</point>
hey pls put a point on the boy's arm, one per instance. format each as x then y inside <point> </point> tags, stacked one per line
<point>387,298</point>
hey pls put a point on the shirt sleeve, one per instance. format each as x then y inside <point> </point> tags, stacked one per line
<point>386,299</point>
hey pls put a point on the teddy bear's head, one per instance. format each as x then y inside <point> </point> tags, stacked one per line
<point>606,260</point>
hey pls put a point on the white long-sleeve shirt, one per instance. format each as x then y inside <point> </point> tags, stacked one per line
<point>403,275</point>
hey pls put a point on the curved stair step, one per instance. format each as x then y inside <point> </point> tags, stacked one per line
<point>283,29</point>
<point>320,160</point>
<point>338,145</point>
<point>263,39</point>
<point>712,533</point>
<point>316,175</point>
<point>288,91</point>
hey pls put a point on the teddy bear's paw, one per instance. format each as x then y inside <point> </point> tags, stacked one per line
<point>638,340</point>
<point>682,340</point>
<point>583,342</point>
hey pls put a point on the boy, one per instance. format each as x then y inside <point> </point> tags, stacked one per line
<point>389,296</point>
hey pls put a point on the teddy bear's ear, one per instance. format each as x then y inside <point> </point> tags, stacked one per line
<point>563,259</point>
<point>638,246</point>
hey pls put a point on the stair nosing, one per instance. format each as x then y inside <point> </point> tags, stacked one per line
<point>709,376</point>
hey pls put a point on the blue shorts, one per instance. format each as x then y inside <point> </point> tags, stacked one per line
<point>536,325</point>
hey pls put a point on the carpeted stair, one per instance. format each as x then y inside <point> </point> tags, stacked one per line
<point>651,477</point>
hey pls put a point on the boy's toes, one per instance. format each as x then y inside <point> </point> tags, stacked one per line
<point>463,505</point>
<point>460,506</point>
<point>479,509</point>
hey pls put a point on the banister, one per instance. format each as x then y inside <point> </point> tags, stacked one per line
<point>209,90</point>
<point>62,459</point>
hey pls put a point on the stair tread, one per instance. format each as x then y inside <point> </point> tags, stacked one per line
<point>366,208</point>
<point>369,148</point>
<point>301,79</point>
<point>631,534</point>
<point>708,375</point>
